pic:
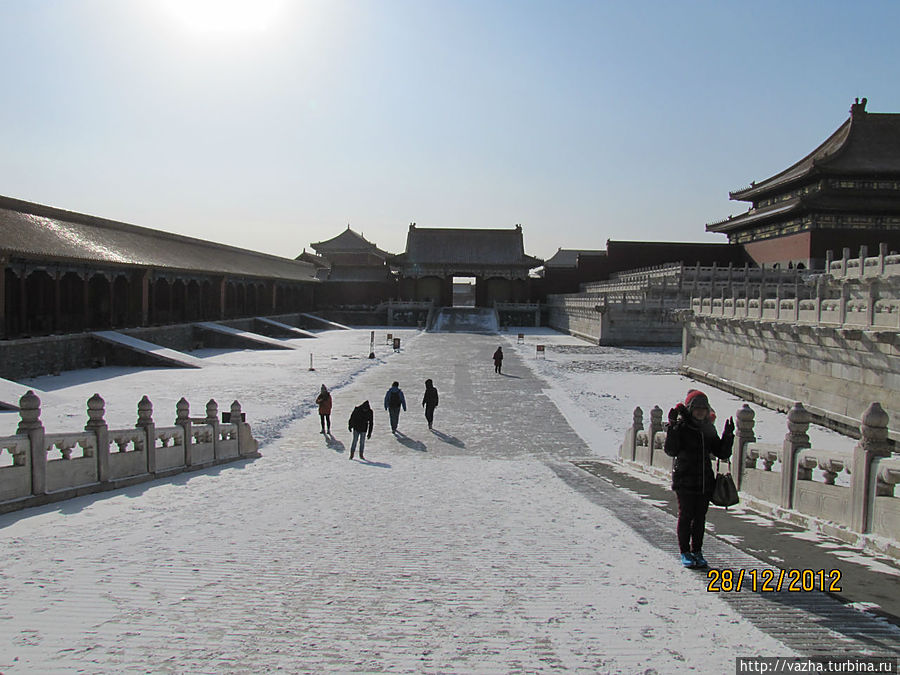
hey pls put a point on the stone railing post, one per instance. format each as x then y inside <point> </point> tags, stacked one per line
<point>247,445</point>
<point>745,421</point>
<point>873,442</point>
<point>145,422</point>
<point>871,299</point>
<point>96,408</point>
<point>795,440</point>
<point>628,445</point>
<point>656,425</point>
<point>30,425</point>
<point>212,419</point>
<point>183,420</point>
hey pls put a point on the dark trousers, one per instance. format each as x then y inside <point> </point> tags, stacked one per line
<point>325,419</point>
<point>429,414</point>
<point>692,510</point>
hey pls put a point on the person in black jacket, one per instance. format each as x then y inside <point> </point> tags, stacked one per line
<point>690,439</point>
<point>361,423</point>
<point>498,360</point>
<point>430,401</point>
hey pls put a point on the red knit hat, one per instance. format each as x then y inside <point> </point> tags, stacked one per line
<point>696,399</point>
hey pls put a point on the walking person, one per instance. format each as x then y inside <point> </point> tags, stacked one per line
<point>690,438</point>
<point>323,400</point>
<point>393,401</point>
<point>498,360</point>
<point>430,401</point>
<point>361,421</point>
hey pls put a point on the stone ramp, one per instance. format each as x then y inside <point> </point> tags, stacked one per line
<point>147,353</point>
<point>326,322</point>
<point>290,330</point>
<point>464,320</point>
<point>11,392</point>
<point>242,339</point>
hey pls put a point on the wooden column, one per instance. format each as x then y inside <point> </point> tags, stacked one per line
<point>145,298</point>
<point>57,302</point>
<point>86,304</point>
<point>23,302</point>
<point>222,299</point>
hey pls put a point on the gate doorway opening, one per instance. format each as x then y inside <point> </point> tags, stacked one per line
<point>463,291</point>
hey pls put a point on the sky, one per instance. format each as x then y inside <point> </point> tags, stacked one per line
<point>273,124</point>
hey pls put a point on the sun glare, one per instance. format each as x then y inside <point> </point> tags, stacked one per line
<point>225,16</point>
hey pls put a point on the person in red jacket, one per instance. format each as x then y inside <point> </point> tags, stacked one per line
<point>323,400</point>
<point>691,438</point>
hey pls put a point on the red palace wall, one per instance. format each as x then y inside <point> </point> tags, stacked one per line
<point>792,248</point>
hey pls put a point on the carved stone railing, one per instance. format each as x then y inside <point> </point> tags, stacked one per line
<point>883,265</point>
<point>853,493</point>
<point>38,467</point>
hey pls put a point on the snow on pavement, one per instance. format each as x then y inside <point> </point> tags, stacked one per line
<point>454,551</point>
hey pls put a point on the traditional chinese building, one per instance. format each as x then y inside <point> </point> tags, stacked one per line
<point>358,274</point>
<point>66,272</point>
<point>495,258</point>
<point>844,194</point>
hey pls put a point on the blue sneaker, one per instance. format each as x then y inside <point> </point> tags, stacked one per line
<point>700,560</point>
<point>687,559</point>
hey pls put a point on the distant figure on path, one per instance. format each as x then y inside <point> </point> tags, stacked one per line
<point>690,437</point>
<point>430,401</point>
<point>498,360</point>
<point>362,419</point>
<point>323,400</point>
<point>393,401</point>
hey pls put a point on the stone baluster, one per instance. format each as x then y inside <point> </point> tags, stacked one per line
<point>212,419</point>
<point>882,253</point>
<point>863,254</point>
<point>656,426</point>
<point>247,445</point>
<point>146,423</point>
<point>845,258</point>
<point>873,442</point>
<point>871,299</point>
<point>744,435</point>
<point>795,440</point>
<point>183,420</point>
<point>96,409</point>
<point>30,425</point>
<point>842,308</point>
<point>637,424</point>
<point>820,291</point>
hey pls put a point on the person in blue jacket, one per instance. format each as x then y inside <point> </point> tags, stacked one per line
<point>691,438</point>
<point>393,401</point>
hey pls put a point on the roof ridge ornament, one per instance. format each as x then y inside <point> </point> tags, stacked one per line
<point>858,107</point>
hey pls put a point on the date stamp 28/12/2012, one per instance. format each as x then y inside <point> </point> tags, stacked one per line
<point>773,581</point>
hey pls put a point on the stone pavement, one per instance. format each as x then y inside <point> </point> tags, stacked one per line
<point>478,548</point>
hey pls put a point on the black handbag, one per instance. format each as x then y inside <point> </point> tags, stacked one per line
<point>724,493</point>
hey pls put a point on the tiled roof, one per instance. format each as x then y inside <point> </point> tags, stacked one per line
<point>347,241</point>
<point>568,257</point>
<point>312,258</point>
<point>37,231</point>
<point>448,246</point>
<point>867,143</point>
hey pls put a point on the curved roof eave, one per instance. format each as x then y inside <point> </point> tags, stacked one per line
<point>799,170</point>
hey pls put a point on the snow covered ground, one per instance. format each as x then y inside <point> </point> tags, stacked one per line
<point>453,551</point>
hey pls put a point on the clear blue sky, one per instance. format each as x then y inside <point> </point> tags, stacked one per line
<point>271,124</point>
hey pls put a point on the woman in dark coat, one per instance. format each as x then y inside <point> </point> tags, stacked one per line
<point>690,439</point>
<point>323,400</point>
<point>498,359</point>
<point>430,401</point>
